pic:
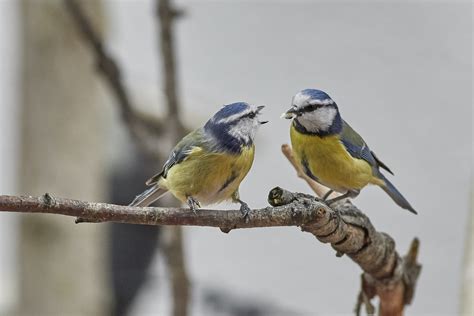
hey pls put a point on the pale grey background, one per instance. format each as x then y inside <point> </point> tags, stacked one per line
<point>401,74</point>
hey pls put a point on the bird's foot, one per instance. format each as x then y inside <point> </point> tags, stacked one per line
<point>193,204</point>
<point>328,193</point>
<point>336,199</point>
<point>348,194</point>
<point>245,210</point>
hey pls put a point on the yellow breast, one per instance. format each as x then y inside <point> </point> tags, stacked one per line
<point>328,160</point>
<point>208,177</point>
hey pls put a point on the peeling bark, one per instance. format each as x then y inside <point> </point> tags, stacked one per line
<point>386,274</point>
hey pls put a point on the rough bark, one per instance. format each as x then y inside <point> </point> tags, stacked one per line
<point>62,150</point>
<point>386,275</point>
<point>345,227</point>
<point>297,213</point>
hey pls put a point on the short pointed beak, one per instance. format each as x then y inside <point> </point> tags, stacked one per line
<point>259,108</point>
<point>291,113</point>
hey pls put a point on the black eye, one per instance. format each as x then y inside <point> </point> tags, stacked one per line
<point>252,115</point>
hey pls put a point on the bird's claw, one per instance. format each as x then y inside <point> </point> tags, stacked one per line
<point>326,195</point>
<point>245,210</point>
<point>193,204</point>
<point>348,194</point>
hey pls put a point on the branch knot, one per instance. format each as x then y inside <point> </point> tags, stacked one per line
<point>48,200</point>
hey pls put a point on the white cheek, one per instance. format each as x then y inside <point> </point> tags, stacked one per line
<point>318,120</point>
<point>245,130</point>
<point>253,131</point>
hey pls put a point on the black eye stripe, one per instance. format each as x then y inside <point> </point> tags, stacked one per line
<point>312,107</point>
<point>249,115</point>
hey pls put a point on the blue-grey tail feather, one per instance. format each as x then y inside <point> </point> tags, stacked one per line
<point>396,195</point>
<point>149,196</point>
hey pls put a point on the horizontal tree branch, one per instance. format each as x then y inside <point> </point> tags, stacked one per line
<point>343,225</point>
<point>296,213</point>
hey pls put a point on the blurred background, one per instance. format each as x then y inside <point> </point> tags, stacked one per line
<point>401,73</point>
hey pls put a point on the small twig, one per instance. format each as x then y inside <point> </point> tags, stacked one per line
<point>412,270</point>
<point>317,188</point>
<point>398,290</point>
<point>172,245</point>
<point>366,293</point>
<point>144,130</point>
<point>166,14</point>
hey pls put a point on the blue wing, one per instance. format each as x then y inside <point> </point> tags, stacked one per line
<point>357,147</point>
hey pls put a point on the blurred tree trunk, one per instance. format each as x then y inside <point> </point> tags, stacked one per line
<point>62,264</point>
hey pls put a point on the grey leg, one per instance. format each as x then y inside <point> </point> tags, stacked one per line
<point>348,194</point>
<point>328,193</point>
<point>244,209</point>
<point>193,204</point>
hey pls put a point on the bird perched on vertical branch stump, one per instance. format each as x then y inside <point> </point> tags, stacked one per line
<point>331,152</point>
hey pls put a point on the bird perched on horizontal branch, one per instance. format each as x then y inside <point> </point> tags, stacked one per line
<point>331,152</point>
<point>208,165</point>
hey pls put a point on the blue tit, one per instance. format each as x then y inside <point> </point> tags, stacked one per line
<point>331,152</point>
<point>208,165</point>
